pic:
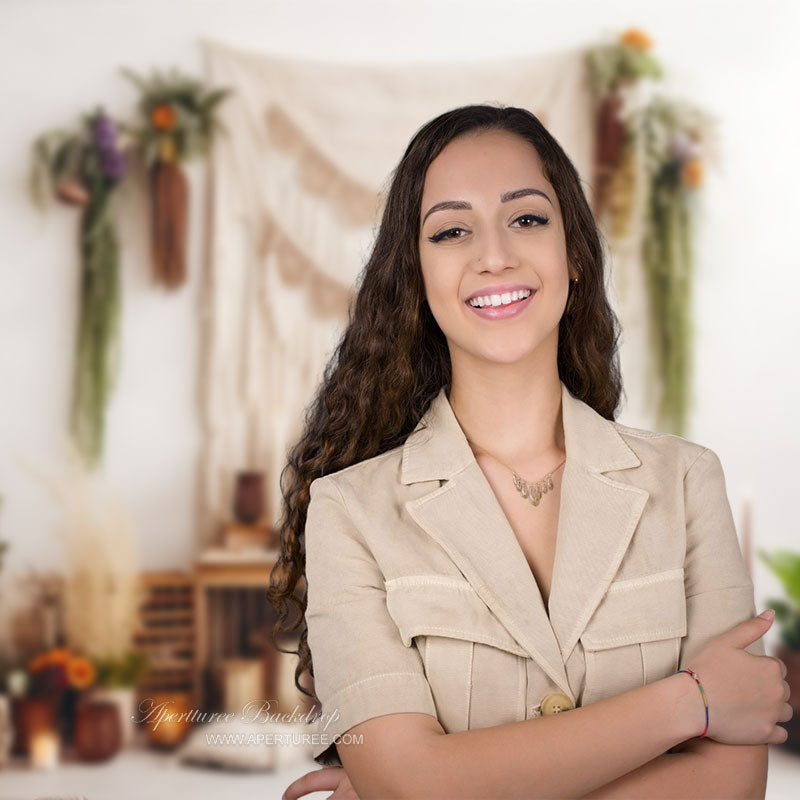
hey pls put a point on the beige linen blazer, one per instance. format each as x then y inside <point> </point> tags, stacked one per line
<point>420,597</point>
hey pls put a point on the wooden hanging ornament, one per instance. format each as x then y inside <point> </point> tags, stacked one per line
<point>177,122</point>
<point>169,201</point>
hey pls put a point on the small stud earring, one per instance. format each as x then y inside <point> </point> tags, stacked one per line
<point>574,282</point>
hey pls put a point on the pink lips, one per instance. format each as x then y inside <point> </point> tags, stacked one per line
<point>503,312</point>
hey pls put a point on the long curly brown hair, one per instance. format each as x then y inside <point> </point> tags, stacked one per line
<point>392,359</point>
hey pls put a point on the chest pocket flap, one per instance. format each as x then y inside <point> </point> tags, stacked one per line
<point>438,605</point>
<point>644,609</point>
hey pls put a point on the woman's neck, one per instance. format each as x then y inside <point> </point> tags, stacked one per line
<point>517,421</point>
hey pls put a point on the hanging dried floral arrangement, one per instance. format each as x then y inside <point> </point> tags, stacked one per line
<point>176,123</point>
<point>82,168</point>
<point>613,70</point>
<point>640,134</point>
<point>677,139</point>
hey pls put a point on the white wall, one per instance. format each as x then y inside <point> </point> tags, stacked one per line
<point>738,60</point>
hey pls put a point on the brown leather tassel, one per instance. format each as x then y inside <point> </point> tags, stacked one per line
<point>169,194</point>
<point>610,136</point>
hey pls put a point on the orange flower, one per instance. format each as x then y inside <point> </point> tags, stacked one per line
<point>692,173</point>
<point>52,658</point>
<point>636,38</point>
<point>163,117</point>
<point>80,672</point>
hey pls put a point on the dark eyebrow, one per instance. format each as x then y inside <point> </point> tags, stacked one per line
<point>460,205</point>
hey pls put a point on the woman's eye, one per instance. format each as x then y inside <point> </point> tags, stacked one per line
<point>444,235</point>
<point>451,233</point>
<point>539,218</point>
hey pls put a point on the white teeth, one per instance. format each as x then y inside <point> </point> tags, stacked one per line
<point>499,299</point>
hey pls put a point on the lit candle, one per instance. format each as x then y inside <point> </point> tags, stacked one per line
<point>44,747</point>
<point>17,682</point>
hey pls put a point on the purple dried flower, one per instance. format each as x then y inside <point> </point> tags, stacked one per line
<point>104,132</point>
<point>683,147</point>
<point>114,165</point>
<point>104,135</point>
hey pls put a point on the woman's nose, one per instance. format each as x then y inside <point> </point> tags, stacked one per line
<point>494,250</point>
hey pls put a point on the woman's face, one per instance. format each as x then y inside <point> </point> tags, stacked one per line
<point>492,236</point>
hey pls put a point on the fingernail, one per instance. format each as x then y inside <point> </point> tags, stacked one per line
<point>768,614</point>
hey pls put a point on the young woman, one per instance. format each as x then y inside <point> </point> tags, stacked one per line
<point>502,581</point>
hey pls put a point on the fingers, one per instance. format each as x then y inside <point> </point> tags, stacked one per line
<point>778,736</point>
<point>747,632</point>
<point>318,780</point>
<point>780,664</point>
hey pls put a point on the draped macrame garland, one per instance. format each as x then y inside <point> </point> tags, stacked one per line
<point>357,205</point>
<point>296,197</point>
<point>326,297</point>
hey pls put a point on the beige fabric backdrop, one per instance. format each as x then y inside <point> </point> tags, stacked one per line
<point>295,197</point>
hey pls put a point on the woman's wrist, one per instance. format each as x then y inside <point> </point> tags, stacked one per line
<point>689,712</point>
<point>696,678</point>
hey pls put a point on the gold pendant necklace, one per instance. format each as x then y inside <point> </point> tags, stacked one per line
<point>534,491</point>
<point>530,491</point>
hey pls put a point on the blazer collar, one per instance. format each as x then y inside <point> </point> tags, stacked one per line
<point>597,517</point>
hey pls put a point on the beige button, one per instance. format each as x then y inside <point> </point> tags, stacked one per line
<point>556,703</point>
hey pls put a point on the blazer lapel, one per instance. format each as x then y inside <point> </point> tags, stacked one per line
<point>597,518</point>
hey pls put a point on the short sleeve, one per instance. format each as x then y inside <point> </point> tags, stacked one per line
<point>719,591</point>
<point>362,669</point>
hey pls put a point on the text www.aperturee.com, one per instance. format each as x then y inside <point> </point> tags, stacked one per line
<point>294,739</point>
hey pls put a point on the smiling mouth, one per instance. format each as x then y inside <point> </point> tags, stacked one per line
<point>506,309</point>
<point>499,300</point>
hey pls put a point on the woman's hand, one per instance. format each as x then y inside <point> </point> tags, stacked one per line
<point>321,780</point>
<point>747,694</point>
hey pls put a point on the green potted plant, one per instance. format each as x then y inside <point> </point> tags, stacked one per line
<point>785,564</point>
<point>116,682</point>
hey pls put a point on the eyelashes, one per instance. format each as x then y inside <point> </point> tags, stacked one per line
<point>541,219</point>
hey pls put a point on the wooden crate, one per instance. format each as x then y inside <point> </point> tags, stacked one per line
<point>167,631</point>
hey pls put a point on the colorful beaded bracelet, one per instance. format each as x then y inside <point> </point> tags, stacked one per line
<point>694,675</point>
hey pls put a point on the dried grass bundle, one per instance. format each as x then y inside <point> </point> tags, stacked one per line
<point>102,560</point>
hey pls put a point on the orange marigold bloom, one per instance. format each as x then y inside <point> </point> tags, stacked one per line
<point>163,117</point>
<point>636,38</point>
<point>52,658</point>
<point>80,672</point>
<point>692,173</point>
